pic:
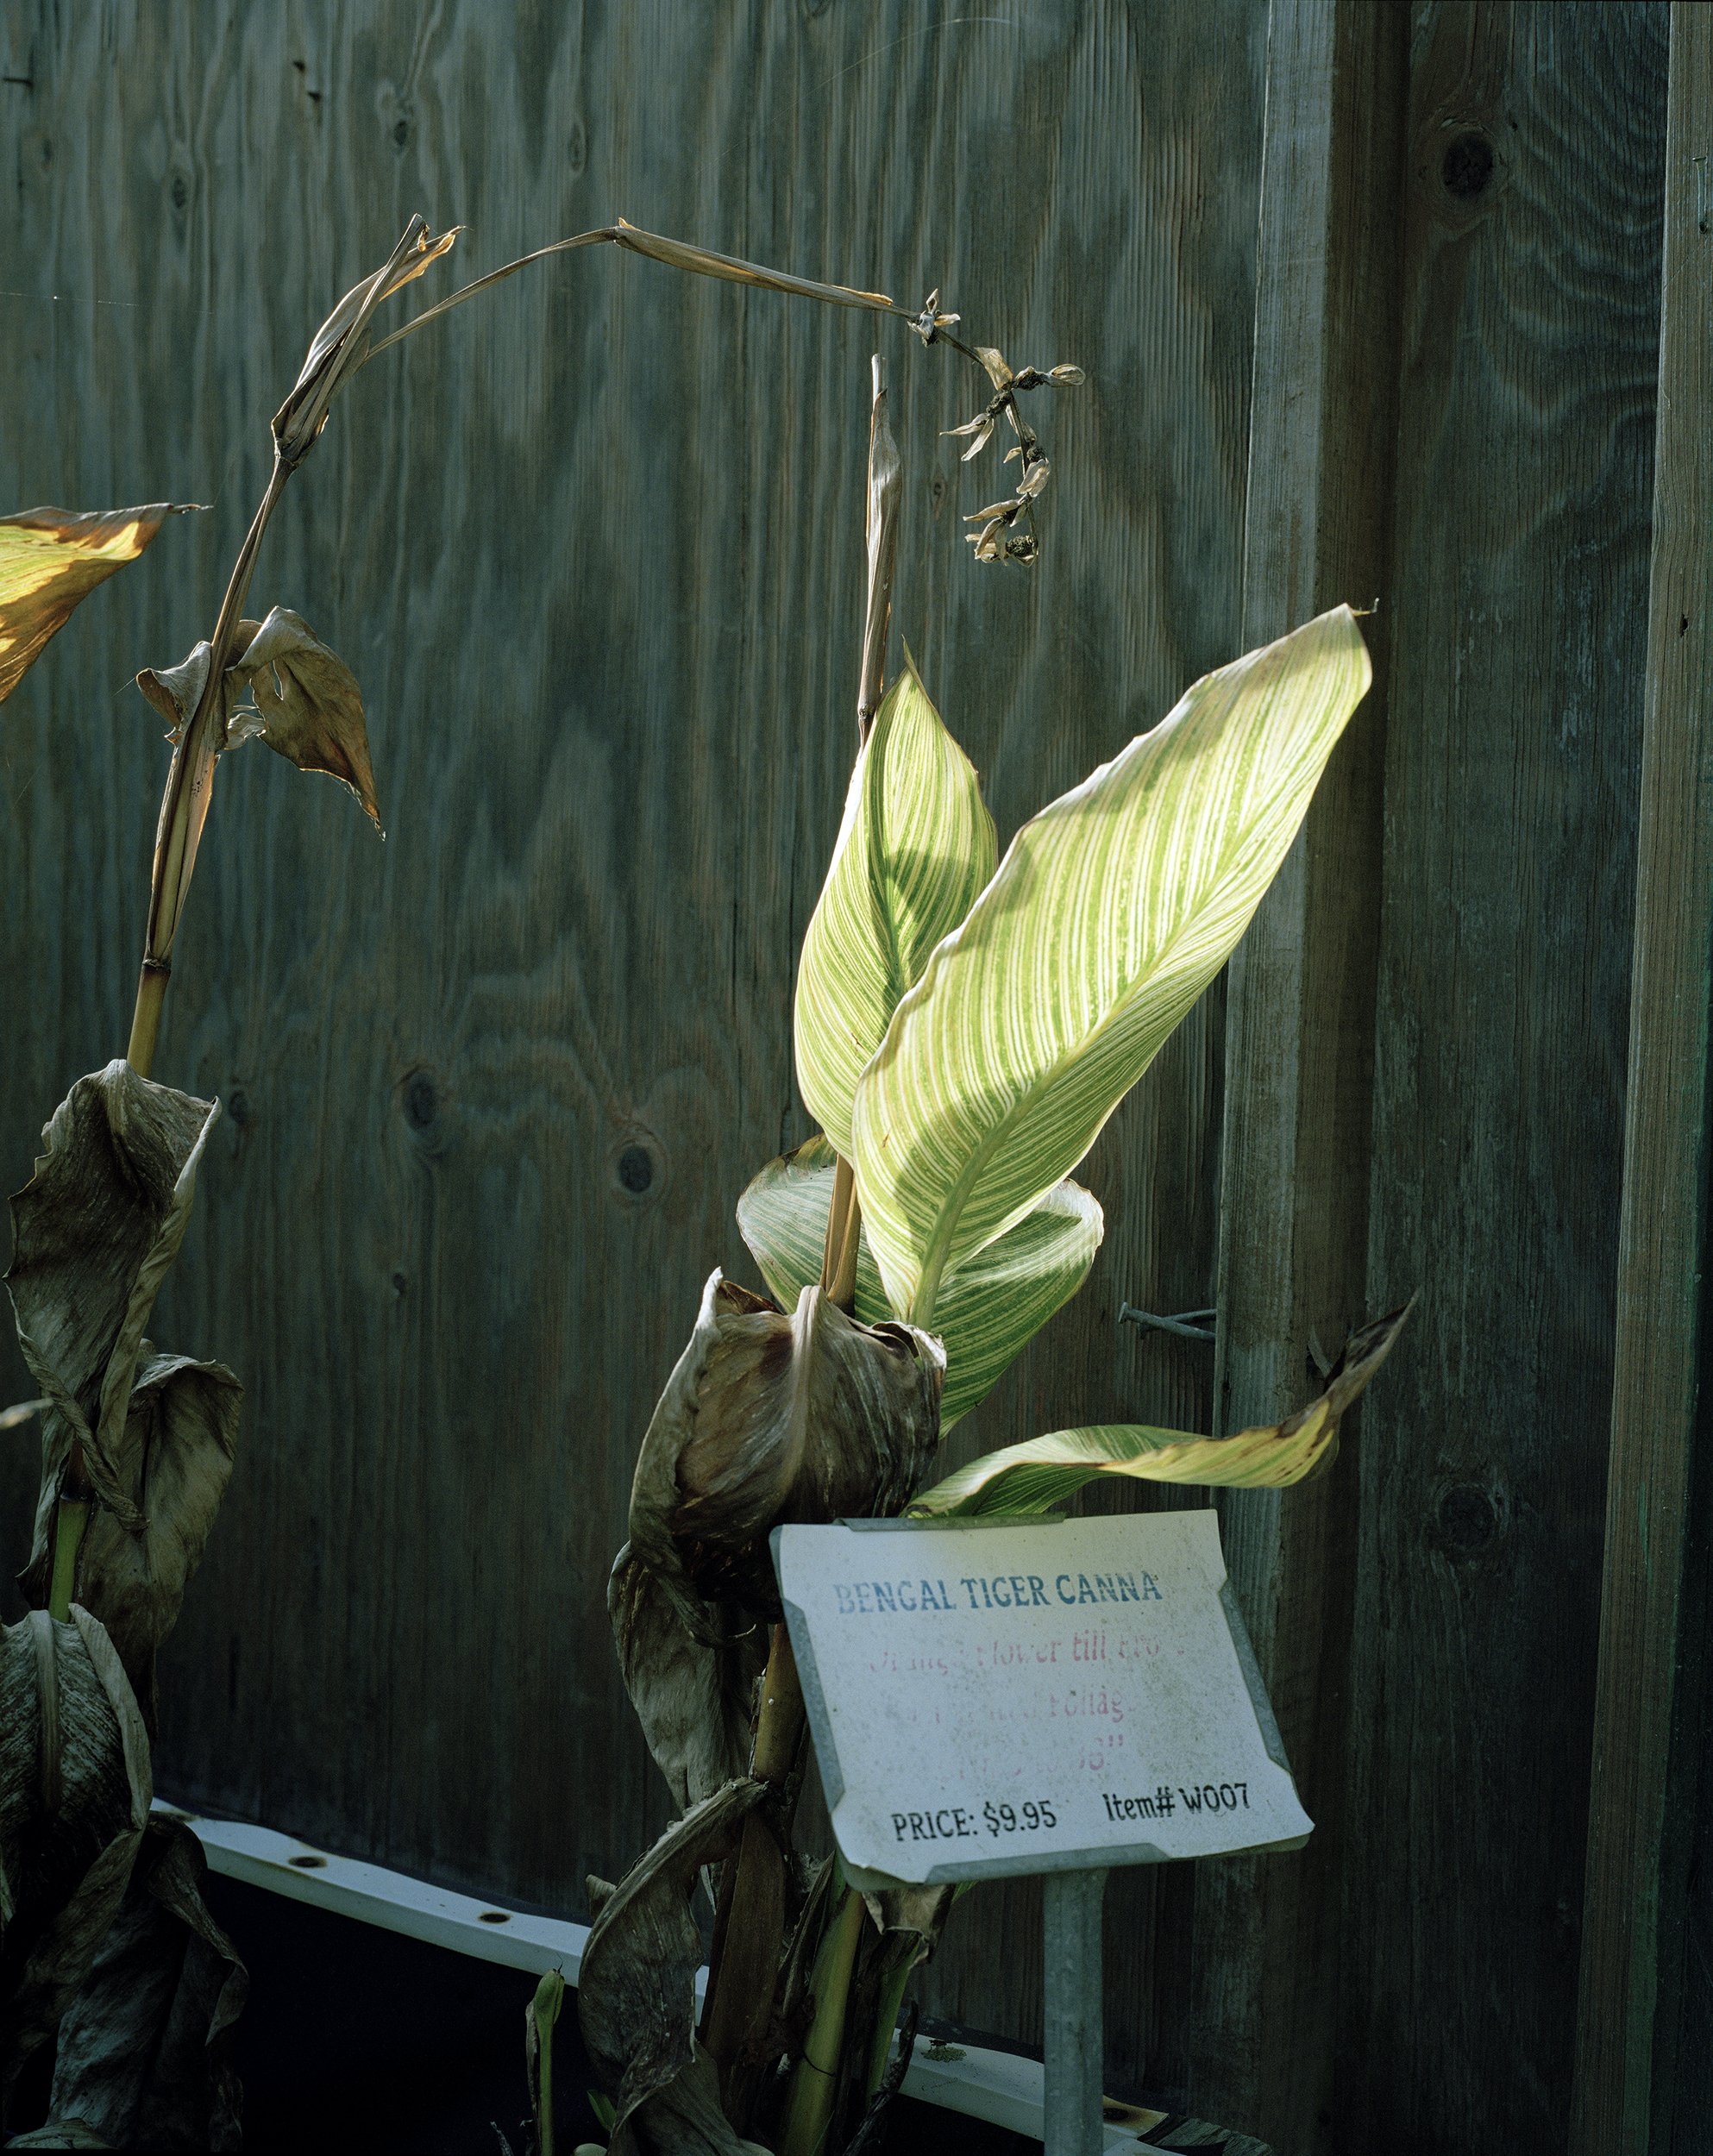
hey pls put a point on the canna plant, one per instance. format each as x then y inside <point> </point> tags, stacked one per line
<point>965,1026</point>
<point>105,1947</point>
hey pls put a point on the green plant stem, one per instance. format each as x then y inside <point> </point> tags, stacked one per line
<point>894,1985</point>
<point>71,1517</point>
<point>543,2012</point>
<point>814,2078</point>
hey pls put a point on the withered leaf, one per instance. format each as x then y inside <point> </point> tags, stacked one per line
<point>307,705</point>
<point>144,2055</point>
<point>61,2134</point>
<point>691,1687</point>
<point>770,1420</point>
<point>99,1221</point>
<point>172,1461</point>
<point>311,707</point>
<point>94,1233</point>
<point>75,1788</point>
<point>998,372</point>
<point>635,1995</point>
<point>175,692</point>
<point>342,344</point>
<point>52,558</point>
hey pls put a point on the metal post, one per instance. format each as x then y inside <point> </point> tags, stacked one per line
<point>1070,1998</point>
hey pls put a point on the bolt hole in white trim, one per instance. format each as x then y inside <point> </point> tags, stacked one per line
<point>995,2087</point>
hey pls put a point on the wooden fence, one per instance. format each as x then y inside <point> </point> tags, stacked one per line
<point>492,1088</point>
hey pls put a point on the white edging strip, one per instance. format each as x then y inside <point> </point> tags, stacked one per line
<point>991,2085</point>
<point>372,1895</point>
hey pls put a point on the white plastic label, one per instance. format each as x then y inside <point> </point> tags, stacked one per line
<point>995,1700</point>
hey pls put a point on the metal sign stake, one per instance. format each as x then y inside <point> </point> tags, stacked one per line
<point>1072,2011</point>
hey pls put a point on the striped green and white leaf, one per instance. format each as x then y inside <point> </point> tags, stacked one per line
<point>1042,1473</point>
<point>987,1310</point>
<point>914,848</point>
<point>1111,911</point>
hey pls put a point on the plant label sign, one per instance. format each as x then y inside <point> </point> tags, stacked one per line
<point>997,1699</point>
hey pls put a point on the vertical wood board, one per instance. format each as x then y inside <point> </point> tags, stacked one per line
<point>1644,2022</point>
<point>1524,485</point>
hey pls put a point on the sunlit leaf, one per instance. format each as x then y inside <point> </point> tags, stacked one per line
<point>1111,911</point>
<point>914,848</point>
<point>49,559</point>
<point>1041,1473</point>
<point>307,704</point>
<point>312,708</point>
<point>987,1311</point>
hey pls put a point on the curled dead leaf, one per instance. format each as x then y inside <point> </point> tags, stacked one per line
<point>307,704</point>
<point>770,1420</point>
<point>144,2054</point>
<point>342,344</point>
<point>75,1789</point>
<point>94,1233</point>
<point>635,1994</point>
<point>691,1686</point>
<point>311,708</point>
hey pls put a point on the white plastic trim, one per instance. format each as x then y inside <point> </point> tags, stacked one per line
<point>994,2086</point>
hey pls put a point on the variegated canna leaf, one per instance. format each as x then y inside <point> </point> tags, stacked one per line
<point>915,847</point>
<point>987,1310</point>
<point>1111,912</point>
<point>1041,1473</point>
<point>49,559</point>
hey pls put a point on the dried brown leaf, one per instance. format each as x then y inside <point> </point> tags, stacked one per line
<point>635,1996</point>
<point>998,372</point>
<point>61,2134</point>
<point>68,1839</point>
<point>311,708</point>
<point>52,558</point>
<point>307,705</point>
<point>706,263</point>
<point>693,1684</point>
<point>171,1461</point>
<point>769,1420</point>
<point>144,2052</point>
<point>342,344</point>
<point>94,1233</point>
<point>175,692</point>
<point>109,1195</point>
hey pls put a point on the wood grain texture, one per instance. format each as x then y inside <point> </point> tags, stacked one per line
<point>1513,738</point>
<point>593,547</point>
<point>1644,1991</point>
<point>1299,1024</point>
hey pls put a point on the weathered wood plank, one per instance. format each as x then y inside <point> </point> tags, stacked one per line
<point>1524,485</point>
<point>592,550</point>
<point>1300,1019</point>
<point>1650,1704</point>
